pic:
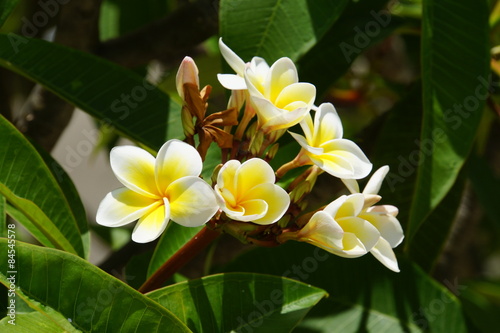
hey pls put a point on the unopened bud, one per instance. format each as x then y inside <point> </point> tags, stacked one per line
<point>187,73</point>
<point>271,153</point>
<point>256,143</point>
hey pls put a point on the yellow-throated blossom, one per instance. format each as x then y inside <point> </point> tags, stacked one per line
<point>351,226</point>
<point>279,99</point>
<point>323,145</point>
<point>246,192</point>
<point>157,190</point>
<point>383,217</point>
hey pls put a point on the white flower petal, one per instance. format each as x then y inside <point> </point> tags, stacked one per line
<point>364,230</point>
<point>323,231</point>
<point>285,119</point>
<point>276,198</point>
<point>227,175</point>
<point>333,164</point>
<point>232,82</point>
<point>385,222</point>
<point>351,184</point>
<point>251,173</point>
<point>134,168</point>
<point>192,201</point>
<point>123,206</point>
<point>308,127</point>
<point>260,67</point>
<point>327,124</point>
<point>352,206</point>
<point>301,92</point>
<point>334,206</point>
<point>384,253</point>
<point>176,159</point>
<point>150,226</point>
<point>375,182</point>
<point>252,210</point>
<point>350,152</point>
<point>232,59</point>
<point>303,143</point>
<point>281,74</point>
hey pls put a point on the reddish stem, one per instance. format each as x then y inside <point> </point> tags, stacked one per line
<point>185,254</point>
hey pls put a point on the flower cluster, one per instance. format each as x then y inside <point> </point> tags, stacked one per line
<point>244,199</point>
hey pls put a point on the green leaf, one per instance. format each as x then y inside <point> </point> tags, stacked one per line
<point>242,302</point>
<point>3,216</point>
<point>362,24</point>
<point>276,28</point>
<point>106,91</point>
<point>91,299</point>
<point>429,241</point>
<point>364,295</point>
<point>28,184</point>
<point>6,7</point>
<point>172,239</point>
<point>481,300</point>
<point>455,65</point>
<point>70,195</point>
<point>44,320</point>
<point>33,228</point>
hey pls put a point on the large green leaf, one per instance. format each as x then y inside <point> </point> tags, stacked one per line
<point>364,295</point>
<point>429,241</point>
<point>106,91</point>
<point>276,28</point>
<point>29,185</point>
<point>3,216</point>
<point>91,299</point>
<point>43,320</point>
<point>239,302</point>
<point>455,78</point>
<point>173,238</point>
<point>362,24</point>
<point>6,7</point>
<point>70,195</point>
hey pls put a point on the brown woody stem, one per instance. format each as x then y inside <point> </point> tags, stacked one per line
<point>185,254</point>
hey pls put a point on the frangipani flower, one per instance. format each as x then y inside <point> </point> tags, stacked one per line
<point>323,146</point>
<point>341,229</point>
<point>246,192</point>
<point>381,217</point>
<point>157,190</point>
<point>279,100</point>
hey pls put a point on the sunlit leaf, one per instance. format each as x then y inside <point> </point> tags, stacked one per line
<point>112,94</point>
<point>273,28</point>
<point>239,302</point>
<point>29,186</point>
<point>364,296</point>
<point>455,67</point>
<point>89,298</point>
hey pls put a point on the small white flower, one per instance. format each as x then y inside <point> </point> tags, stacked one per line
<point>157,190</point>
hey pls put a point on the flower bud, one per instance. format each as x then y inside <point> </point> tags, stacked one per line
<point>187,73</point>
